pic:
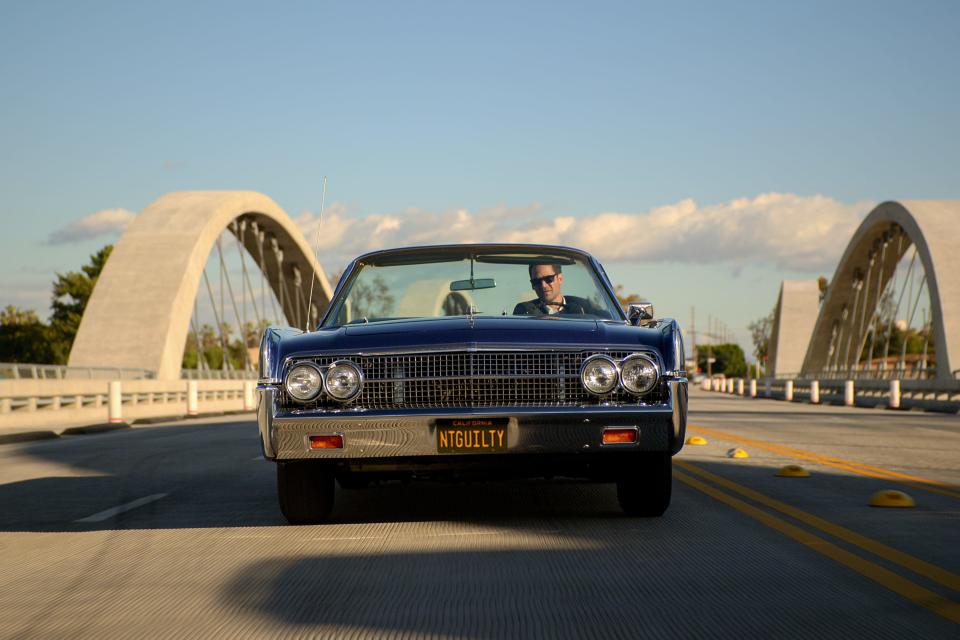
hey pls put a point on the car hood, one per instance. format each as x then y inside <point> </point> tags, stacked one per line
<point>512,331</point>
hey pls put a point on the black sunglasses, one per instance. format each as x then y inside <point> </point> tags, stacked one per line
<point>539,281</point>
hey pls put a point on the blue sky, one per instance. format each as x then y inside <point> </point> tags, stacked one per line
<point>559,110</point>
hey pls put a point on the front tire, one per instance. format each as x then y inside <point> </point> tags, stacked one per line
<point>644,488</point>
<point>305,489</point>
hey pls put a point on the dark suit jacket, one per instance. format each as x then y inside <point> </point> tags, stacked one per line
<point>574,305</point>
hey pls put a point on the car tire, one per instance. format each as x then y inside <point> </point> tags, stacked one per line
<point>305,489</point>
<point>352,481</point>
<point>644,489</point>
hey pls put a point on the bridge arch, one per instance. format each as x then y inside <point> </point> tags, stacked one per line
<point>139,313</point>
<point>865,270</point>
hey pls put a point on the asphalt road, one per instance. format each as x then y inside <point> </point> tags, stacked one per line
<point>173,530</point>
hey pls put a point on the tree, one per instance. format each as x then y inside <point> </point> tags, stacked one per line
<point>71,293</point>
<point>729,359</point>
<point>760,330</point>
<point>23,337</point>
<point>371,299</point>
<point>626,299</point>
<point>212,347</point>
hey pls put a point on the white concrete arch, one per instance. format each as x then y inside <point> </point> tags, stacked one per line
<point>930,225</point>
<point>139,313</point>
<point>793,321</point>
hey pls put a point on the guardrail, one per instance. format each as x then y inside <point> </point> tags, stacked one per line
<point>61,404</point>
<point>217,374</point>
<point>26,371</point>
<point>932,395</point>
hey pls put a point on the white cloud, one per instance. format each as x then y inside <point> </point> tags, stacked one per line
<point>787,231</point>
<point>103,222</point>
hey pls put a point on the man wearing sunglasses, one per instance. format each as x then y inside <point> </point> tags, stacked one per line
<point>547,282</point>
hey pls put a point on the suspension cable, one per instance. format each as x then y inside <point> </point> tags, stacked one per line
<point>861,336</point>
<point>928,326</point>
<point>916,303</point>
<point>201,357</point>
<point>236,310</point>
<point>247,286</point>
<point>896,310</point>
<point>875,318</point>
<point>858,286</point>
<point>261,236</point>
<point>213,303</point>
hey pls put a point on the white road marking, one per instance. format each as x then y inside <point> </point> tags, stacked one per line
<point>258,458</point>
<point>109,513</point>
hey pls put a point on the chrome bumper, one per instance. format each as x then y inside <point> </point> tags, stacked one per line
<point>391,434</point>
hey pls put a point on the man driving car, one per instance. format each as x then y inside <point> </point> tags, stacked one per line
<point>547,282</point>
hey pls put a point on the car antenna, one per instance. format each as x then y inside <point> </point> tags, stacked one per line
<point>316,250</point>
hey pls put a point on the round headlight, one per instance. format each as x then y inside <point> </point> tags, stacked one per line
<point>344,380</point>
<point>638,373</point>
<point>599,375</point>
<point>304,382</point>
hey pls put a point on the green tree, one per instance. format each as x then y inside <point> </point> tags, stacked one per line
<point>71,293</point>
<point>370,299</point>
<point>212,347</point>
<point>23,337</point>
<point>729,359</point>
<point>625,299</point>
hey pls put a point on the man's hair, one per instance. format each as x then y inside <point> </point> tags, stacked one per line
<point>556,268</point>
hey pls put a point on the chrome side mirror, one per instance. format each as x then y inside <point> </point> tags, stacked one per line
<point>640,312</point>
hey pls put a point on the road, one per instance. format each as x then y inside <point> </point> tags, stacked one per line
<point>172,530</point>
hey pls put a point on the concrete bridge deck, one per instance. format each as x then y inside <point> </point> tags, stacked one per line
<point>172,530</point>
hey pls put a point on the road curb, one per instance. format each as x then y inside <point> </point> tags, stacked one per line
<point>26,436</point>
<point>94,428</point>
<point>104,427</point>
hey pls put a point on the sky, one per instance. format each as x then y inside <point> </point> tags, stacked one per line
<point>704,151</point>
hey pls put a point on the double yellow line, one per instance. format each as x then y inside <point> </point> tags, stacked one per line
<point>914,592</point>
<point>915,482</point>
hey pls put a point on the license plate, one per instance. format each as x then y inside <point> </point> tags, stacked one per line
<point>473,435</point>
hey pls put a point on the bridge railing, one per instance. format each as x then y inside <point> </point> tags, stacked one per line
<point>26,371</point>
<point>928,394</point>
<point>56,405</point>
<point>217,374</point>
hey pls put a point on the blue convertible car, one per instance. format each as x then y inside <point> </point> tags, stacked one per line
<point>473,360</point>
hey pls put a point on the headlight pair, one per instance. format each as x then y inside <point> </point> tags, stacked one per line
<point>637,373</point>
<point>342,382</point>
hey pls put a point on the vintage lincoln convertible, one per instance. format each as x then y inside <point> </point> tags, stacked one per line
<point>473,361</point>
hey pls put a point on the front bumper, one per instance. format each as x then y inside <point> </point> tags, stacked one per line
<point>284,435</point>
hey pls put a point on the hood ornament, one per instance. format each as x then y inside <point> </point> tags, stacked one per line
<point>472,316</point>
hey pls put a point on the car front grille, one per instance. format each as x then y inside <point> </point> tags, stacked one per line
<point>477,379</point>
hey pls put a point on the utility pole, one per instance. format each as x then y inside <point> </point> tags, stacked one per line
<point>693,336</point>
<point>712,324</point>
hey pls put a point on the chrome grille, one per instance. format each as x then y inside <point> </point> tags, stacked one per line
<point>477,379</point>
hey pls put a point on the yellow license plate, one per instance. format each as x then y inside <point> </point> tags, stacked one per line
<point>473,435</point>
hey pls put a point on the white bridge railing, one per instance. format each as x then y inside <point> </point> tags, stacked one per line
<point>56,405</point>
<point>893,394</point>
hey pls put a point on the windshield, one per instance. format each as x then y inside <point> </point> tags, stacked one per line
<point>493,284</point>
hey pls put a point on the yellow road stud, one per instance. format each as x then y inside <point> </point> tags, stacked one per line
<point>891,498</point>
<point>696,440</point>
<point>737,453</point>
<point>793,471</point>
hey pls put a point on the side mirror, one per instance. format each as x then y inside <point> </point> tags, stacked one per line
<point>640,312</point>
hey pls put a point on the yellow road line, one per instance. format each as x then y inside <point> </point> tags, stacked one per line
<point>918,566</point>
<point>898,584</point>
<point>838,463</point>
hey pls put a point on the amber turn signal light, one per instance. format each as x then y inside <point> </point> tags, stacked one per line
<point>619,436</point>
<point>326,442</point>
